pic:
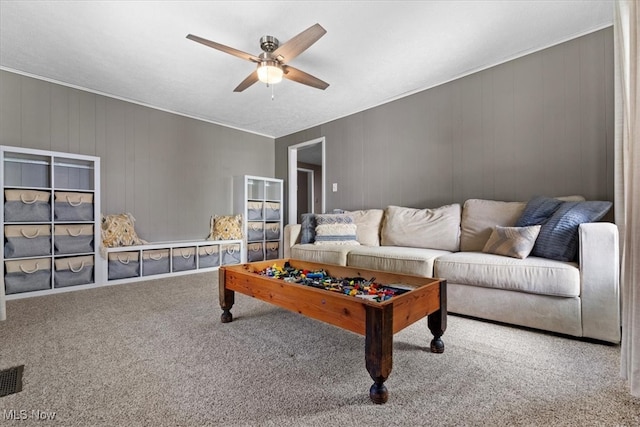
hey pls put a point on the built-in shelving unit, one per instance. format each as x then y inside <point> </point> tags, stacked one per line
<point>164,259</point>
<point>260,201</point>
<point>50,230</point>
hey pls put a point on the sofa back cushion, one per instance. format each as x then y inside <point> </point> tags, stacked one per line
<point>480,217</point>
<point>368,223</point>
<point>437,228</point>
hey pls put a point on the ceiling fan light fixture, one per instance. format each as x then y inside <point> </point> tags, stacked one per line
<point>270,72</point>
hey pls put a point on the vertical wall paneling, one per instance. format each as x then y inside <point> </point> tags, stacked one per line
<point>609,112</point>
<point>593,124</point>
<point>141,169</point>
<point>553,108</point>
<point>59,119</point>
<point>469,166</point>
<point>537,125</point>
<point>86,139</point>
<point>171,172</point>
<point>504,133</point>
<point>74,111</point>
<point>10,109</point>
<point>101,147</point>
<point>571,152</point>
<point>35,117</point>
<point>487,135</point>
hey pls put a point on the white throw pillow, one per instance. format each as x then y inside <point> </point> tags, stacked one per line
<point>514,242</point>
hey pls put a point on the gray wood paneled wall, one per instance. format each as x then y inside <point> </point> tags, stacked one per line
<point>171,172</point>
<point>541,124</point>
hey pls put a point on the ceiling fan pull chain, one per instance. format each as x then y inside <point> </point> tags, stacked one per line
<point>272,96</point>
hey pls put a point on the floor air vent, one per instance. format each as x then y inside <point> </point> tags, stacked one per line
<point>11,380</point>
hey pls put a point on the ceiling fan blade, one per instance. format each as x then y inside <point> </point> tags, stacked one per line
<point>302,77</point>
<point>251,79</point>
<point>223,48</point>
<point>299,43</point>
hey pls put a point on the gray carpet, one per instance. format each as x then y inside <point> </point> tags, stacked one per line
<point>156,354</point>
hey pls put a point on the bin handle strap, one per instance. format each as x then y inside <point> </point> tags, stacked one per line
<point>74,235</point>
<point>75,205</point>
<point>28,202</point>
<point>155,257</point>
<point>126,261</point>
<point>76,271</point>
<point>37,233</point>
<point>25,271</point>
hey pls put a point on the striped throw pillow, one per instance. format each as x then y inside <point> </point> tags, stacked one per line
<point>515,242</point>
<point>335,229</point>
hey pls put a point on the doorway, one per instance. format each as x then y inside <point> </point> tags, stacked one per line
<point>308,155</point>
<point>306,196</point>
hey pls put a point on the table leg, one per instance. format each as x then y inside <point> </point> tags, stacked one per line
<point>379,349</point>
<point>437,321</point>
<point>227,298</point>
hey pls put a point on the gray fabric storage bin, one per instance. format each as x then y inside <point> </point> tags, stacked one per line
<point>73,271</point>
<point>73,238</point>
<point>27,275</point>
<point>209,256</point>
<point>272,231</point>
<point>255,231</point>
<point>155,261</point>
<point>254,211</point>
<point>27,240</point>
<point>255,252</point>
<point>272,211</point>
<point>273,249</point>
<point>184,259</point>
<point>122,265</point>
<point>231,254</point>
<point>27,206</point>
<point>69,206</point>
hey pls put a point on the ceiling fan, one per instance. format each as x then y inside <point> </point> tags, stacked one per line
<point>272,63</point>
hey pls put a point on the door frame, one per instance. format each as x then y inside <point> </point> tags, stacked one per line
<point>293,176</point>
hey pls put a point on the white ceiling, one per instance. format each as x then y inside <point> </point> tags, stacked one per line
<point>373,52</point>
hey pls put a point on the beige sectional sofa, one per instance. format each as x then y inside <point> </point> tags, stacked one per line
<point>578,298</point>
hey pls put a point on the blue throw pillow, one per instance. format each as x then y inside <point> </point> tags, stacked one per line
<point>558,238</point>
<point>538,211</point>
<point>308,228</point>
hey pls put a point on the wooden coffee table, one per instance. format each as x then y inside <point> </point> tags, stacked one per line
<point>377,321</point>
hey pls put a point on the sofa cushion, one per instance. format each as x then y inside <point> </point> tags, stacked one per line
<point>558,238</point>
<point>479,217</point>
<point>416,261</point>
<point>516,242</point>
<point>324,254</point>
<point>437,228</point>
<point>368,224</point>
<point>533,274</point>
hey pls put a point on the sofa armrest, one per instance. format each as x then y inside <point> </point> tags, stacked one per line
<point>291,237</point>
<point>600,280</point>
